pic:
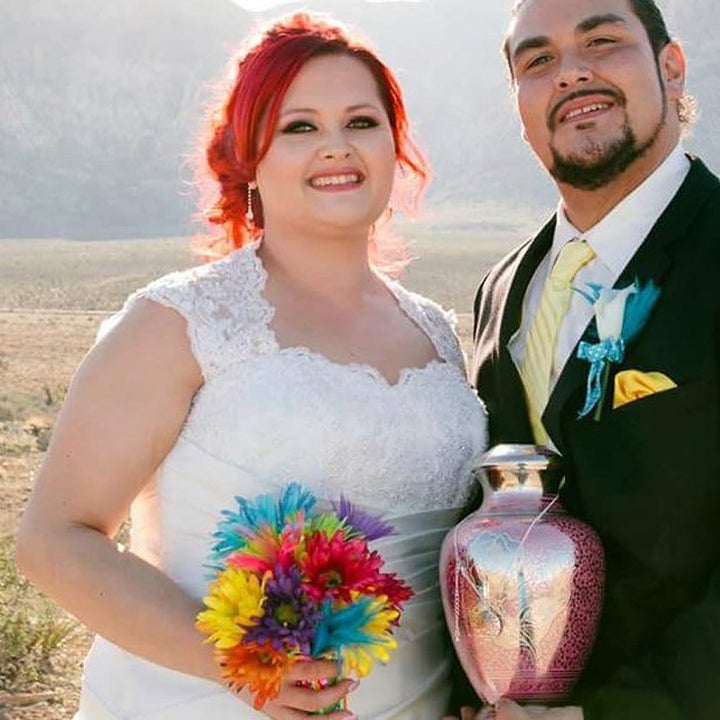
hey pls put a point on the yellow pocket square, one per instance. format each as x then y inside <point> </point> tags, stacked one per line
<point>632,385</point>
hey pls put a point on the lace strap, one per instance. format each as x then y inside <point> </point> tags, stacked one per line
<point>227,320</point>
<point>439,324</point>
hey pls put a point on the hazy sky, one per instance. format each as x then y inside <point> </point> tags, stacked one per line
<point>265,4</point>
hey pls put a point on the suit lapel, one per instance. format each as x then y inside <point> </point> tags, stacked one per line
<point>653,258</point>
<point>527,264</point>
<point>651,262</point>
<point>516,421</point>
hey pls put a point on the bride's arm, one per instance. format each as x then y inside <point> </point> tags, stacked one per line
<point>121,416</point>
<point>124,410</point>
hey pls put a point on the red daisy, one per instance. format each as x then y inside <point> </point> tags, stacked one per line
<point>335,566</point>
<point>395,590</point>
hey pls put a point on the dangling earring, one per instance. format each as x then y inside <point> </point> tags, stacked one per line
<point>250,214</point>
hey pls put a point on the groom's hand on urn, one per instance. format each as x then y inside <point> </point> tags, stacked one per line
<point>508,710</point>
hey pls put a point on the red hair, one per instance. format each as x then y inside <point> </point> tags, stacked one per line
<point>241,128</point>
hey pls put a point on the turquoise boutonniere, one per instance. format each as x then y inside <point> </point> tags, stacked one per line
<point>620,315</point>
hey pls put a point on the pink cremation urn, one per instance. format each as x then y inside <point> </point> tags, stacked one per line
<point>522,581</point>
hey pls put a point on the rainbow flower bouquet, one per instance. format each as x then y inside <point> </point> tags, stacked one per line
<point>293,583</point>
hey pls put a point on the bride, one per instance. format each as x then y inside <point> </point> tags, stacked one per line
<point>290,356</point>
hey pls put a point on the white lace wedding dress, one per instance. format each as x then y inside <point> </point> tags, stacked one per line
<point>267,415</point>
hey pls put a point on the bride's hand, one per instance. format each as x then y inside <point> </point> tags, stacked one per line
<point>294,701</point>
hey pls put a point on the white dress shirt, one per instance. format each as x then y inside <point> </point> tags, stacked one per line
<point>615,239</point>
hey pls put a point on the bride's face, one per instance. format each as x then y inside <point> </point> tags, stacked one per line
<point>331,162</point>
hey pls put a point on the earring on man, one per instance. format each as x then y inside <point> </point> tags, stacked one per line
<point>250,214</point>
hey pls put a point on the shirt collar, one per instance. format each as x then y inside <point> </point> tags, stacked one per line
<point>618,235</point>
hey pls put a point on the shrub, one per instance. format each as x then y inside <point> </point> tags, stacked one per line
<point>31,627</point>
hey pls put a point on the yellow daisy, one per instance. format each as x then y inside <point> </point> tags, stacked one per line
<point>234,602</point>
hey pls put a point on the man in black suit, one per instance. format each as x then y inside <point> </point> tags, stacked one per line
<point>600,88</point>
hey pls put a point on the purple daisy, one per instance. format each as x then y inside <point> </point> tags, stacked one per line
<point>361,523</point>
<point>290,617</point>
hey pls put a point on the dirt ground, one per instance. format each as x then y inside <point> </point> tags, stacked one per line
<point>38,354</point>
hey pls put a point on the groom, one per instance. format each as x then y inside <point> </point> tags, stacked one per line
<point>600,88</point>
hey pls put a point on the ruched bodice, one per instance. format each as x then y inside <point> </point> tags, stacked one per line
<point>267,415</point>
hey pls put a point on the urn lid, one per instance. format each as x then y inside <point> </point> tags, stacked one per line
<point>533,457</point>
<point>524,463</point>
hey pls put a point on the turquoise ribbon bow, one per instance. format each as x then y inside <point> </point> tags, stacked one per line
<point>638,307</point>
<point>598,355</point>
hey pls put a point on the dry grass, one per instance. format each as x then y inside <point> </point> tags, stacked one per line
<point>81,275</point>
<point>53,294</point>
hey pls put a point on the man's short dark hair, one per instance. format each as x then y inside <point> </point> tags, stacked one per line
<point>653,21</point>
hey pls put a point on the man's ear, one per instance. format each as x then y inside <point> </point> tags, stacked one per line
<point>672,69</point>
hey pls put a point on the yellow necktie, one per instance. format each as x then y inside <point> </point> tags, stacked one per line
<point>540,345</point>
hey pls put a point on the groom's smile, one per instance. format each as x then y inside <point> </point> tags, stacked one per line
<point>581,106</point>
<point>584,112</point>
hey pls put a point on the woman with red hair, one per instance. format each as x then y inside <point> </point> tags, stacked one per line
<point>290,356</point>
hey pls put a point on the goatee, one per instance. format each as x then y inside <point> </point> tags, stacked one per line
<point>601,164</point>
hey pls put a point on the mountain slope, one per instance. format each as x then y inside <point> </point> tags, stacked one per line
<point>101,102</point>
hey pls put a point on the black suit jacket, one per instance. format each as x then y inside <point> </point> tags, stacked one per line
<point>646,476</point>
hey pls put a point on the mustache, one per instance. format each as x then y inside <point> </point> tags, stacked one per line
<point>615,95</point>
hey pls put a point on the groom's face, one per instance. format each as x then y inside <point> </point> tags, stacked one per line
<point>592,96</point>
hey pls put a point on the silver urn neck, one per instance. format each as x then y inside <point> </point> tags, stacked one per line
<point>532,469</point>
